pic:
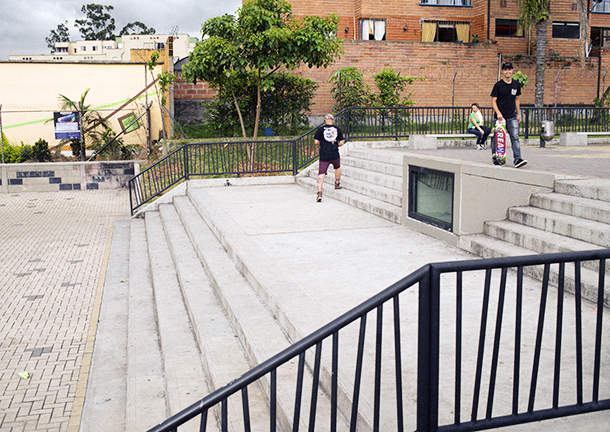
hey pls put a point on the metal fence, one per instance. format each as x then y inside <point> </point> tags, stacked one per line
<point>455,346</point>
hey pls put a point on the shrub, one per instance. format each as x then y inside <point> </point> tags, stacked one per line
<point>41,151</point>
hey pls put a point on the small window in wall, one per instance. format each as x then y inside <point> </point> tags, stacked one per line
<point>446,2</point>
<point>600,36</point>
<point>83,48</point>
<point>431,196</point>
<point>566,30</point>
<point>94,48</point>
<point>372,29</point>
<point>508,28</point>
<point>445,31</point>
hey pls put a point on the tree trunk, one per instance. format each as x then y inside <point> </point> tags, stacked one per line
<point>540,62</point>
<point>583,13</point>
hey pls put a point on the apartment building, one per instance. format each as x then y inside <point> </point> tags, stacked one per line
<point>120,50</point>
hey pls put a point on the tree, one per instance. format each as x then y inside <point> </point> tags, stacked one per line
<point>390,85</point>
<point>534,13</point>
<point>136,28</point>
<point>262,38</point>
<point>90,120</point>
<point>98,24</point>
<point>348,89</point>
<point>583,13</point>
<point>60,34</point>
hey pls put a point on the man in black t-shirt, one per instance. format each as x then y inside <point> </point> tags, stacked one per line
<point>329,138</point>
<point>507,106</point>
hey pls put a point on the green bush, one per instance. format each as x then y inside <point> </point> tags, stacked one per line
<point>41,151</point>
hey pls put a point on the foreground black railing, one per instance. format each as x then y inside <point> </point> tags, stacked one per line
<point>428,365</point>
<point>290,156</point>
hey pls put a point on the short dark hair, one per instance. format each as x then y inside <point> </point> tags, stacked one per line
<point>507,65</point>
<point>475,103</point>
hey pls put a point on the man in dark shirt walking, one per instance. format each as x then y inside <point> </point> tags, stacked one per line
<point>329,138</point>
<point>507,106</point>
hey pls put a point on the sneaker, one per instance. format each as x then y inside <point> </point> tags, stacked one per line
<point>495,162</point>
<point>319,198</point>
<point>520,162</point>
<point>478,147</point>
<point>338,184</point>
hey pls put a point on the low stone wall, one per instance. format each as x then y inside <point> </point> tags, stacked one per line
<point>58,176</point>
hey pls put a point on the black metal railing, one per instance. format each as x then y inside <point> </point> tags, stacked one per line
<point>290,156</point>
<point>426,363</point>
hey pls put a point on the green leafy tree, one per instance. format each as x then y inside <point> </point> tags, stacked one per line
<point>98,24</point>
<point>165,79</point>
<point>60,34</point>
<point>136,28</point>
<point>534,14</point>
<point>261,39</point>
<point>391,86</point>
<point>348,89</point>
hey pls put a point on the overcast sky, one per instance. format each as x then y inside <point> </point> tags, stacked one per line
<point>24,24</point>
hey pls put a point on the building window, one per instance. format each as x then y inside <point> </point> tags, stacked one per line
<point>566,30</point>
<point>62,49</point>
<point>508,28</point>
<point>372,29</point>
<point>94,48</point>
<point>83,48</point>
<point>445,31</point>
<point>446,2</point>
<point>600,36</point>
<point>160,45</point>
<point>602,6</point>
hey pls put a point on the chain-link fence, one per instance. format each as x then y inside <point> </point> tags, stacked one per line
<point>26,127</point>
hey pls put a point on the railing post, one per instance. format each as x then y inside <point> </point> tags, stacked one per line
<point>294,158</point>
<point>186,164</point>
<point>428,352</point>
<point>527,123</point>
<point>396,123</point>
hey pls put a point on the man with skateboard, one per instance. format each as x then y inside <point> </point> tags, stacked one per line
<point>505,101</point>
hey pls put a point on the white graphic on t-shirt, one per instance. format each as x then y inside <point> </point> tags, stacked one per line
<point>330,134</point>
<point>513,91</point>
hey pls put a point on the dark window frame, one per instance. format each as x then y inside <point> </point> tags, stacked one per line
<point>512,28</point>
<point>414,171</point>
<point>565,30</point>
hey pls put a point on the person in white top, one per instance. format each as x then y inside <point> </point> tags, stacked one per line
<point>476,127</point>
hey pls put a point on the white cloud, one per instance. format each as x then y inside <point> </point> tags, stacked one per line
<point>24,25</point>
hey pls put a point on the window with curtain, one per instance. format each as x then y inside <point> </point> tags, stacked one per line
<point>445,31</point>
<point>372,29</point>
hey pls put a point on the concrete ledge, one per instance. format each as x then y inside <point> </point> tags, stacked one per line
<point>481,193</point>
<point>423,142</point>
<point>573,139</point>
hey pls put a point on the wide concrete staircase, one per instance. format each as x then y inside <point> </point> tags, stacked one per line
<point>190,304</point>
<point>574,217</point>
<point>371,181</point>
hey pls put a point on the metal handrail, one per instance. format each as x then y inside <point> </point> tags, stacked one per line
<point>430,292</point>
<point>357,123</point>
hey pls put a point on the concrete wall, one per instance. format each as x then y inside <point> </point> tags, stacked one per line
<point>52,177</point>
<point>481,193</point>
<point>29,93</point>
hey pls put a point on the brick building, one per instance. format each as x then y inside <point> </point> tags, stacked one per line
<point>436,40</point>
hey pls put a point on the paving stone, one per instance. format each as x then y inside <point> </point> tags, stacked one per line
<point>47,298</point>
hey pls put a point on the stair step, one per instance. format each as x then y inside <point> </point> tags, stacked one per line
<point>373,177</point>
<point>373,165</point>
<point>106,399</point>
<point>596,189</point>
<point>258,329</point>
<point>585,208</point>
<point>489,247</point>
<point>181,356</point>
<point>377,207</point>
<point>223,356</point>
<point>146,405</point>
<point>366,188</point>
<point>387,157</point>
<point>559,223</point>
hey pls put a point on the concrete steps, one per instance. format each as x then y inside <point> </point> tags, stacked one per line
<point>572,218</point>
<point>371,180</point>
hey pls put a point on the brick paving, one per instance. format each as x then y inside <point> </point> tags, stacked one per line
<point>52,250</point>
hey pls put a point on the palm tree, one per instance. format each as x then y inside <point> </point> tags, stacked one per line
<point>90,119</point>
<point>534,13</point>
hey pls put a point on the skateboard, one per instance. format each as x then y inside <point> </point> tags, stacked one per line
<point>500,134</point>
